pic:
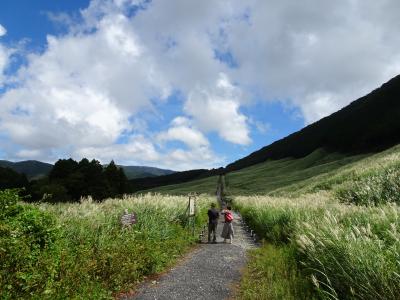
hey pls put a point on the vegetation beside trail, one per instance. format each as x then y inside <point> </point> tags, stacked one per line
<point>345,239</point>
<point>273,273</point>
<point>80,251</point>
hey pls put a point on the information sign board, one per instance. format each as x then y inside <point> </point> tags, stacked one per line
<point>128,219</point>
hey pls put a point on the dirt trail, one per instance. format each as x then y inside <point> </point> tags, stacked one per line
<point>209,272</point>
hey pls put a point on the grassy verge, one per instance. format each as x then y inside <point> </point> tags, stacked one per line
<point>272,273</point>
<point>80,251</point>
<point>346,251</point>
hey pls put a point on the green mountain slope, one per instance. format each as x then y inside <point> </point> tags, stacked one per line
<point>369,124</point>
<point>132,172</point>
<point>318,170</point>
<point>34,169</point>
<point>31,168</point>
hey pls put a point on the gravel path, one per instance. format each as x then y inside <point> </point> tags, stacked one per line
<point>209,272</point>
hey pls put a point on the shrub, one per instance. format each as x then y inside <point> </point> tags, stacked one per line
<point>27,237</point>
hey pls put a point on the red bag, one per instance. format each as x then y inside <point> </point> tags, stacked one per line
<point>228,216</point>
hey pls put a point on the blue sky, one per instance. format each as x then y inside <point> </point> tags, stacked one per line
<point>182,84</point>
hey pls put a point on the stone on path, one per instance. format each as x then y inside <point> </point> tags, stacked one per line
<point>209,272</point>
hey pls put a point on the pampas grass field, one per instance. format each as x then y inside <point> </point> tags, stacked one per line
<point>81,251</point>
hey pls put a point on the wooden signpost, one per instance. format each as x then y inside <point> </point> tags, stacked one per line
<point>220,190</point>
<point>127,219</point>
<point>192,211</point>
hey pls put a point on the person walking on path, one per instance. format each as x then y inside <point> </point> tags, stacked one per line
<point>227,230</point>
<point>213,215</point>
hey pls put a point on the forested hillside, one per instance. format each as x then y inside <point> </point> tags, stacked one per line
<point>33,169</point>
<point>132,172</point>
<point>369,124</point>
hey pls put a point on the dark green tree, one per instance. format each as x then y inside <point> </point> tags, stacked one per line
<point>9,179</point>
<point>62,169</point>
<point>95,180</point>
<point>116,179</point>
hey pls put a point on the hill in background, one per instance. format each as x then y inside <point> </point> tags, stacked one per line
<point>141,172</point>
<point>319,170</point>
<point>34,169</point>
<point>369,124</point>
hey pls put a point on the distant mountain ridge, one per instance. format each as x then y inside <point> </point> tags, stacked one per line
<point>143,171</point>
<point>34,169</point>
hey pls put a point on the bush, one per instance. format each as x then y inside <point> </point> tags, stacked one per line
<point>27,238</point>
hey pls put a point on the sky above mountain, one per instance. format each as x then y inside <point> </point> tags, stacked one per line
<point>182,84</point>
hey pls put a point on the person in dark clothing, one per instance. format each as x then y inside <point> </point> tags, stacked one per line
<point>213,215</point>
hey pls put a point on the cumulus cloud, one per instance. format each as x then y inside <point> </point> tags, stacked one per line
<point>5,54</point>
<point>217,109</point>
<point>182,131</point>
<point>319,55</point>
<point>3,31</point>
<point>136,149</point>
<point>82,90</point>
<point>196,153</point>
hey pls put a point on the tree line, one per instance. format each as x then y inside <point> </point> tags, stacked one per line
<point>68,181</point>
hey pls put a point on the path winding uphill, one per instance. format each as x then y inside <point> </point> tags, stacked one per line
<point>209,272</point>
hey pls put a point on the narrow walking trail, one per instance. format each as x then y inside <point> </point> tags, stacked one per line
<point>209,272</point>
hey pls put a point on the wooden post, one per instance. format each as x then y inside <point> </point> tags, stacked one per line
<point>192,211</point>
<point>220,192</point>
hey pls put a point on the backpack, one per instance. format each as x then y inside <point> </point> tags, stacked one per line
<point>228,216</point>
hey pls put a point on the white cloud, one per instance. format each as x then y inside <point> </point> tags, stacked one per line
<point>29,154</point>
<point>260,126</point>
<point>4,57</point>
<point>183,132</point>
<point>3,31</point>
<point>137,150</point>
<point>217,109</point>
<point>197,153</point>
<point>5,54</point>
<point>293,50</point>
<point>82,90</point>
